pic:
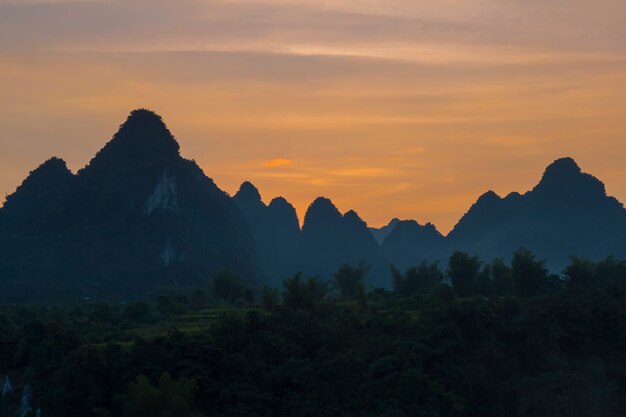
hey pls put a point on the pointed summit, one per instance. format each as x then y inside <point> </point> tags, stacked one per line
<point>489,197</point>
<point>282,210</point>
<point>48,177</point>
<point>321,212</point>
<point>563,166</point>
<point>563,180</point>
<point>410,243</point>
<point>143,138</point>
<point>351,217</point>
<point>248,194</point>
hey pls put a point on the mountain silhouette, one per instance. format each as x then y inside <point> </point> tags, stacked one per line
<point>330,239</point>
<point>381,233</point>
<point>568,213</point>
<point>137,216</point>
<point>275,229</point>
<point>409,243</point>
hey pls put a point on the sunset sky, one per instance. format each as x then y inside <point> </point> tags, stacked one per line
<point>406,108</point>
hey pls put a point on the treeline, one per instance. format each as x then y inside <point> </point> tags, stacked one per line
<point>470,339</point>
<point>466,275</point>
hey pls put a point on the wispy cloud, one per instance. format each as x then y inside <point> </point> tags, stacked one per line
<point>421,104</point>
<point>273,163</point>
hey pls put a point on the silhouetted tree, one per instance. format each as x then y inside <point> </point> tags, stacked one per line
<point>416,279</point>
<point>463,270</point>
<point>529,275</point>
<point>166,305</point>
<point>198,299</point>
<point>502,277</point>
<point>269,297</point>
<point>227,285</point>
<point>612,272</point>
<point>361,297</point>
<point>349,278</point>
<point>484,282</point>
<point>170,398</point>
<point>581,273</point>
<point>138,312</point>
<point>303,294</point>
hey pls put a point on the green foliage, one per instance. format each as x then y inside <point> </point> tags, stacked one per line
<point>227,285</point>
<point>463,270</point>
<point>502,277</point>
<point>484,282</point>
<point>417,279</point>
<point>432,353</point>
<point>303,294</point>
<point>168,305</point>
<point>529,275</point>
<point>168,399</point>
<point>198,299</point>
<point>138,312</point>
<point>349,279</point>
<point>269,297</point>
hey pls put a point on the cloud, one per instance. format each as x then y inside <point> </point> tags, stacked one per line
<point>273,163</point>
<point>354,91</point>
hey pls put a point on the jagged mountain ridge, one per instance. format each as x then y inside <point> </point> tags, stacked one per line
<point>381,233</point>
<point>275,230</point>
<point>331,239</point>
<point>138,215</point>
<point>328,239</point>
<point>409,243</point>
<point>568,213</point>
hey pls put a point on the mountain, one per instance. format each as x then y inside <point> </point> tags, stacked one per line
<point>330,239</point>
<point>409,243</point>
<point>381,233</point>
<point>275,229</point>
<point>137,216</point>
<point>567,213</point>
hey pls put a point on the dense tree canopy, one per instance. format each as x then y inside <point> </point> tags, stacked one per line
<point>422,350</point>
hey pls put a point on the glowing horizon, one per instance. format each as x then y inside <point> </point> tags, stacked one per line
<point>407,109</point>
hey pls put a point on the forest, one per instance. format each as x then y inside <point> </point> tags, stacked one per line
<point>469,338</point>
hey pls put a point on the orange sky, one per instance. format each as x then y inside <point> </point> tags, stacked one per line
<point>396,108</point>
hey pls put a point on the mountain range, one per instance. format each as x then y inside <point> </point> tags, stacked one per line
<point>140,216</point>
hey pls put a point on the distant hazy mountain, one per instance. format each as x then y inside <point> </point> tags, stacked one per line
<point>330,239</point>
<point>275,229</point>
<point>138,215</point>
<point>409,243</point>
<point>380,233</point>
<point>567,213</point>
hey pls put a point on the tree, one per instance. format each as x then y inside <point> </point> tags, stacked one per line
<point>612,272</point>
<point>416,279</point>
<point>227,285</point>
<point>170,398</point>
<point>502,277</point>
<point>484,282</point>
<point>349,278</point>
<point>303,294</point>
<point>198,299</point>
<point>138,312</point>
<point>581,274</point>
<point>463,270</point>
<point>269,297</point>
<point>529,275</point>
